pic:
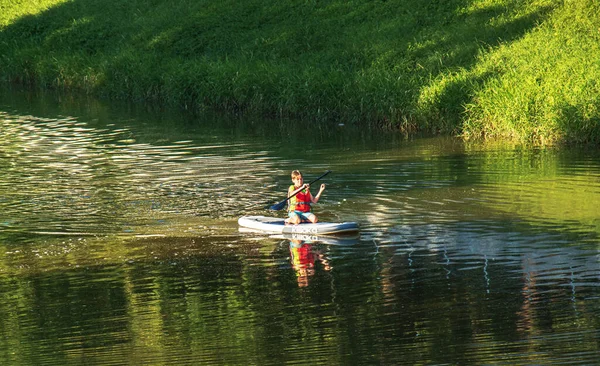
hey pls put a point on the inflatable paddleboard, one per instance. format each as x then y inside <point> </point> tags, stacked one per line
<point>275,225</point>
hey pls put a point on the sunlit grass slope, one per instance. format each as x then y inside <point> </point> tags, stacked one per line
<point>544,88</point>
<point>518,69</point>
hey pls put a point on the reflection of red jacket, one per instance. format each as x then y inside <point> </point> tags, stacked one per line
<point>301,201</point>
<point>303,256</point>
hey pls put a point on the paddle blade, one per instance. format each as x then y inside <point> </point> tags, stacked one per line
<point>278,206</point>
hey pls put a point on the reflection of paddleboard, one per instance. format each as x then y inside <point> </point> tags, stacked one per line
<point>340,239</point>
<point>276,225</point>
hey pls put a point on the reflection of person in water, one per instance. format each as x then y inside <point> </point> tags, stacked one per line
<point>303,260</point>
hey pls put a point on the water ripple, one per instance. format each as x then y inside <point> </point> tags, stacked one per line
<point>122,242</point>
<point>60,175</point>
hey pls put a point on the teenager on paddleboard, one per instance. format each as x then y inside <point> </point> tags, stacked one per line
<point>299,205</point>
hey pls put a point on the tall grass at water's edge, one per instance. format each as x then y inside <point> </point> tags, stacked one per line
<point>523,70</point>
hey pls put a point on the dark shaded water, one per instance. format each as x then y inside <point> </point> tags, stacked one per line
<point>119,244</point>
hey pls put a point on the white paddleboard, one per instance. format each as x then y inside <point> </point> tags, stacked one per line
<point>275,225</point>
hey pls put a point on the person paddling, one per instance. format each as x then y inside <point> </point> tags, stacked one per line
<point>299,209</point>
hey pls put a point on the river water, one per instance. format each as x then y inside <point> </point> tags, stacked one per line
<point>119,243</point>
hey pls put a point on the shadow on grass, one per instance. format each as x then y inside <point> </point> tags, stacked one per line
<point>578,126</point>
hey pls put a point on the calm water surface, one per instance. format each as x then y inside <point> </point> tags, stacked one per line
<point>119,244</point>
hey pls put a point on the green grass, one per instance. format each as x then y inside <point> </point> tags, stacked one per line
<point>544,88</point>
<point>523,70</point>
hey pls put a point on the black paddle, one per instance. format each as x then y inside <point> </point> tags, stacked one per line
<point>281,205</point>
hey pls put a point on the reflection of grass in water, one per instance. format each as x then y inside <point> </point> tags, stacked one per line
<point>572,202</point>
<point>559,187</point>
<point>462,182</point>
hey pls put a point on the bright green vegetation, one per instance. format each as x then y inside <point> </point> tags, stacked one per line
<point>523,70</point>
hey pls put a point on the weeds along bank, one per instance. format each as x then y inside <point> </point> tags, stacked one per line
<point>522,70</point>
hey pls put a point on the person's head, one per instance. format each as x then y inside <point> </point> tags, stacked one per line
<point>297,178</point>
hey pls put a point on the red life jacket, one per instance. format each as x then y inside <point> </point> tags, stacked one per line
<point>301,201</point>
<point>303,256</point>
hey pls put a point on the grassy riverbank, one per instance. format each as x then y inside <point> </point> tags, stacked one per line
<point>523,70</point>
